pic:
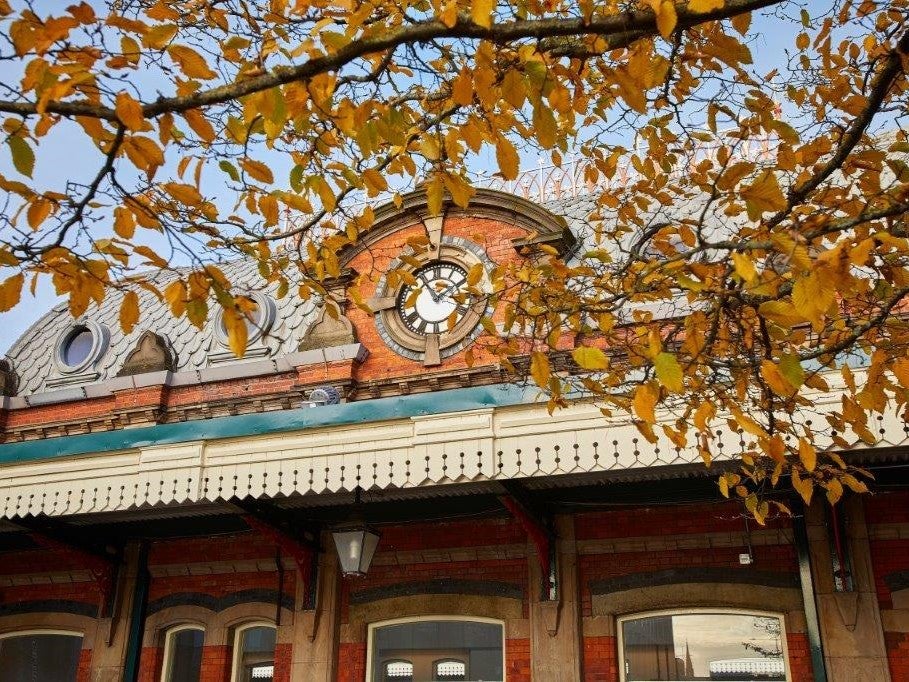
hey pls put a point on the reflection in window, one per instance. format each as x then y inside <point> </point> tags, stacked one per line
<point>254,654</point>
<point>726,647</point>
<point>399,671</point>
<point>40,656</point>
<point>436,650</point>
<point>450,670</point>
<point>184,655</point>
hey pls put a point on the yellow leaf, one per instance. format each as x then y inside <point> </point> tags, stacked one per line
<point>544,124</point>
<point>744,267</point>
<point>703,415</point>
<point>200,125</point>
<point>375,181</point>
<point>854,484</point>
<point>807,454</point>
<point>513,90</point>
<point>669,372</point>
<point>775,379</point>
<point>129,311</point>
<point>129,111</point>
<point>23,155</point>
<point>539,368</point>
<point>804,487</point>
<point>666,17</point>
<point>701,6</point>
<point>190,62</point>
<point>834,491</point>
<point>258,170</point>
<point>124,222</point>
<point>588,357</point>
<point>38,211</point>
<point>462,87</point>
<point>481,11</point>
<point>507,158</point>
<point>475,274</point>
<point>158,36</point>
<point>237,331</point>
<point>10,292</point>
<point>185,194</point>
<point>175,295</point>
<point>764,194</point>
<point>645,400</point>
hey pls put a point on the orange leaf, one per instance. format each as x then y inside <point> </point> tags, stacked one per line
<point>129,111</point>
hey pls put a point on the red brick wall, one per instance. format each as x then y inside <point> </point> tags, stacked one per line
<point>800,657</point>
<point>600,659</point>
<point>517,660</point>
<point>352,662</point>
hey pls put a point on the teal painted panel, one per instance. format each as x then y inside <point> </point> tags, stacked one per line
<point>365,411</point>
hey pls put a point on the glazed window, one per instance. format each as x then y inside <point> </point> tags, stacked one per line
<point>254,653</point>
<point>183,654</point>
<point>450,670</point>
<point>78,346</point>
<point>398,671</point>
<point>720,646</point>
<point>436,649</point>
<point>29,656</point>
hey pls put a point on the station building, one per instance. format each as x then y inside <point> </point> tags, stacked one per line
<point>354,501</point>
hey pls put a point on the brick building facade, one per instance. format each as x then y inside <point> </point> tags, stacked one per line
<point>168,510</point>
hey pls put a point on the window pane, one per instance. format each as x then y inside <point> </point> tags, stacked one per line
<point>40,657</point>
<point>185,657</point>
<point>722,647</point>
<point>78,348</point>
<point>438,650</point>
<point>256,659</point>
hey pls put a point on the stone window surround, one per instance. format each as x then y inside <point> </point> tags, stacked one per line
<point>220,627</point>
<point>700,610</point>
<point>420,619</point>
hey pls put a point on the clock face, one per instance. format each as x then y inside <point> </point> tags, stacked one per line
<point>440,291</point>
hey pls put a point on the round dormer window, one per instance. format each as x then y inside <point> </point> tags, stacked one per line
<point>78,347</point>
<point>262,319</point>
<point>81,346</point>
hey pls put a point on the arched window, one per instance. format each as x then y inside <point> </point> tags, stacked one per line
<point>183,654</point>
<point>703,644</point>
<point>40,655</point>
<point>254,653</point>
<point>398,671</point>
<point>450,670</point>
<point>437,648</point>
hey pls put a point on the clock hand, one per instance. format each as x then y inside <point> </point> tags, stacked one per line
<point>435,297</point>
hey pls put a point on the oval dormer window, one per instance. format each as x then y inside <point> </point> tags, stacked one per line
<point>80,346</point>
<point>263,317</point>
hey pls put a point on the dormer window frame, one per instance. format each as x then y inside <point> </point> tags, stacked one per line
<point>100,343</point>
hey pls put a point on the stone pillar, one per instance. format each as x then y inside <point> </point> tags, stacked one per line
<point>112,634</point>
<point>555,643</point>
<point>316,632</point>
<point>851,631</point>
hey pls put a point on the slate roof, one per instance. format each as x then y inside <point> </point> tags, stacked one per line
<point>32,355</point>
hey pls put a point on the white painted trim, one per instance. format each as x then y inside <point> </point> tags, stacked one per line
<point>694,611</point>
<point>238,632</point>
<point>168,637</point>
<point>513,442</point>
<point>41,631</point>
<point>422,619</point>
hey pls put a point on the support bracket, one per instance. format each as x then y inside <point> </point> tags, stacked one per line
<point>277,527</point>
<point>103,566</point>
<point>538,527</point>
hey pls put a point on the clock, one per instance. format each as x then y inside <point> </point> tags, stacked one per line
<point>436,301</point>
<point>430,313</point>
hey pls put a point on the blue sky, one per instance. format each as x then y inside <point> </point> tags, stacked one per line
<point>72,156</point>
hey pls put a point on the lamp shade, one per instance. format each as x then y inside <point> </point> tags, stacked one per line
<point>356,548</point>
